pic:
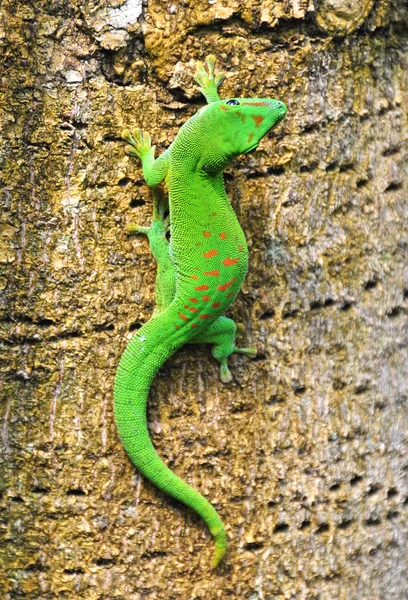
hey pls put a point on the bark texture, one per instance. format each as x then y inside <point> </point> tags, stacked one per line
<point>305,453</point>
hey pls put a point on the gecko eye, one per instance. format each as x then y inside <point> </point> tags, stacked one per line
<point>232,102</point>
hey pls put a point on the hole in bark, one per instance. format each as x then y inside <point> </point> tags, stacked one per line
<point>346,306</point>
<point>392,492</point>
<point>135,326</point>
<point>355,480</point>
<point>372,521</point>
<point>308,168</point>
<point>290,313</point>
<point>323,528</point>
<point>280,528</point>
<point>391,150</point>
<point>370,285</point>
<point>346,167</point>
<point>299,390</point>
<point>305,524</point>
<point>393,186</point>
<point>395,312</point>
<point>361,183</point>
<point>104,562</point>
<point>393,514</point>
<point>45,322</point>
<point>267,315</point>
<point>345,524</point>
<point>254,545</point>
<point>40,490</point>
<point>335,487</point>
<point>136,202</point>
<point>124,181</point>
<point>104,327</point>
<point>17,499</point>
<point>373,489</point>
<point>75,492</point>
<point>321,304</point>
<point>332,166</point>
<point>77,571</point>
<point>360,389</point>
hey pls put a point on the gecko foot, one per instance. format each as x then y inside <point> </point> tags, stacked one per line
<point>249,352</point>
<point>208,80</point>
<point>140,143</point>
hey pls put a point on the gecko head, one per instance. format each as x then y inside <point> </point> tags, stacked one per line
<point>236,126</point>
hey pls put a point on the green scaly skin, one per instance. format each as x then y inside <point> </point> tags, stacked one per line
<point>200,270</point>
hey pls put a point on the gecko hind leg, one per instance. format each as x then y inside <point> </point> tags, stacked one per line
<point>159,245</point>
<point>222,334</point>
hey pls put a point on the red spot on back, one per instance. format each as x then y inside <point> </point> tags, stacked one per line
<point>225,286</point>
<point>222,235</point>
<point>240,247</point>
<point>213,273</point>
<point>193,300</point>
<point>205,317</point>
<point>193,276</point>
<point>251,135</point>
<point>213,214</point>
<point>230,294</point>
<point>210,253</point>
<point>216,304</point>
<point>205,298</point>
<point>190,308</point>
<point>202,288</point>
<point>258,119</point>
<point>183,317</point>
<point>193,325</point>
<point>228,262</point>
<point>207,234</point>
<point>176,326</point>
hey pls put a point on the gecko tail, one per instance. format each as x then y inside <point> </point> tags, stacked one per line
<point>136,371</point>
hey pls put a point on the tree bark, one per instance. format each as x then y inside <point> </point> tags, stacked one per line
<point>304,454</point>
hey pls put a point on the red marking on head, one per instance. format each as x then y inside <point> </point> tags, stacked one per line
<point>222,235</point>
<point>202,288</point>
<point>193,300</point>
<point>241,115</point>
<point>251,135</point>
<point>230,294</point>
<point>205,298</point>
<point>190,308</point>
<point>213,273</point>
<point>216,304</point>
<point>210,253</point>
<point>223,107</point>
<point>228,262</point>
<point>255,103</point>
<point>193,276</point>
<point>207,233</point>
<point>240,247</point>
<point>183,317</point>
<point>225,286</point>
<point>193,325</point>
<point>205,317</point>
<point>258,119</point>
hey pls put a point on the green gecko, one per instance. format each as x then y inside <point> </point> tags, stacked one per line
<point>200,269</point>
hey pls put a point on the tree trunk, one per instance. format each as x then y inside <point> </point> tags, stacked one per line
<point>304,454</point>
